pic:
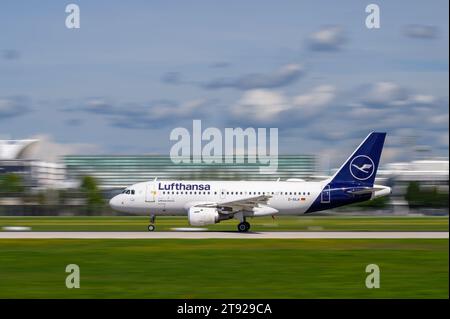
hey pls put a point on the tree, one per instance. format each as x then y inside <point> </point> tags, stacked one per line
<point>94,198</point>
<point>376,203</point>
<point>11,183</point>
<point>431,198</point>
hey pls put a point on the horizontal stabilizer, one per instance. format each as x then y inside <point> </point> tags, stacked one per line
<point>368,190</point>
<point>376,191</point>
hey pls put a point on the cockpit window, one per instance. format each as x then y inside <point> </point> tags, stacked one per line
<point>128,191</point>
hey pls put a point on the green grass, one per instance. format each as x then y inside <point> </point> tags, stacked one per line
<point>282,223</point>
<point>236,268</point>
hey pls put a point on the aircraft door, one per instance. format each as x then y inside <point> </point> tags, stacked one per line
<point>325,196</point>
<point>150,192</point>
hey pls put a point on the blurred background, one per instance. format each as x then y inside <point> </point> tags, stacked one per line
<point>82,184</point>
<point>86,112</point>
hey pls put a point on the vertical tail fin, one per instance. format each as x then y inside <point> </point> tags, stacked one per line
<point>361,167</point>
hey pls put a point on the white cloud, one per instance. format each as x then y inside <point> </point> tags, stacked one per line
<point>313,102</point>
<point>330,38</point>
<point>421,31</point>
<point>264,105</point>
<point>164,110</point>
<point>422,99</point>
<point>285,75</point>
<point>363,112</point>
<point>261,105</point>
<point>439,120</point>
<point>386,93</point>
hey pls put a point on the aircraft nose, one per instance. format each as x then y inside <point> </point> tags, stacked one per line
<point>114,202</point>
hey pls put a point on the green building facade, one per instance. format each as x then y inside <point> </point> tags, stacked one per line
<point>114,172</point>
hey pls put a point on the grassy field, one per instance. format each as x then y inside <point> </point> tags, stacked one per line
<point>224,268</point>
<point>283,223</point>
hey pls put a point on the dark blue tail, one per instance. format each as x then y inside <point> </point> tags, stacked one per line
<point>361,167</point>
<point>353,182</point>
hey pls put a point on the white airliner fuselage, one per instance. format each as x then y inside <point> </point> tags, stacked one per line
<point>289,198</point>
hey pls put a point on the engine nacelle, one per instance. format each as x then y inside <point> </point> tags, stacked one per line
<point>201,216</point>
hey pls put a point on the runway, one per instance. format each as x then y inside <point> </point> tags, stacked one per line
<point>222,235</point>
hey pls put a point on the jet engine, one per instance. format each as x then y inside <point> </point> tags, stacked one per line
<point>201,216</point>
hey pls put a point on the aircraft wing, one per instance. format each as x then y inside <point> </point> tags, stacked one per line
<point>238,205</point>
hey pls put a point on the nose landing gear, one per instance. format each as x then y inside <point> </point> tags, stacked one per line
<point>152,227</point>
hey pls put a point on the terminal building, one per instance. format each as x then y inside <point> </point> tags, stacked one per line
<point>16,156</point>
<point>119,171</point>
<point>115,172</point>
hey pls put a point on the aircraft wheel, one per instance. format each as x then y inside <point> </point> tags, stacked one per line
<point>243,227</point>
<point>151,227</point>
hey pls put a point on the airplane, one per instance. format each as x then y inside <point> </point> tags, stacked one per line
<point>210,202</point>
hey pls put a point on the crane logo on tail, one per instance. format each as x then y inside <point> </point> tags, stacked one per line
<point>362,167</point>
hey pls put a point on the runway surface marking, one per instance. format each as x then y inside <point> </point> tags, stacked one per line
<point>219,235</point>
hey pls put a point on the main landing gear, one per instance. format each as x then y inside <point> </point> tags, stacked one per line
<point>243,227</point>
<point>152,227</point>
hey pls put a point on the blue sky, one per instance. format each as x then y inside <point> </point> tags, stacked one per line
<point>310,68</point>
